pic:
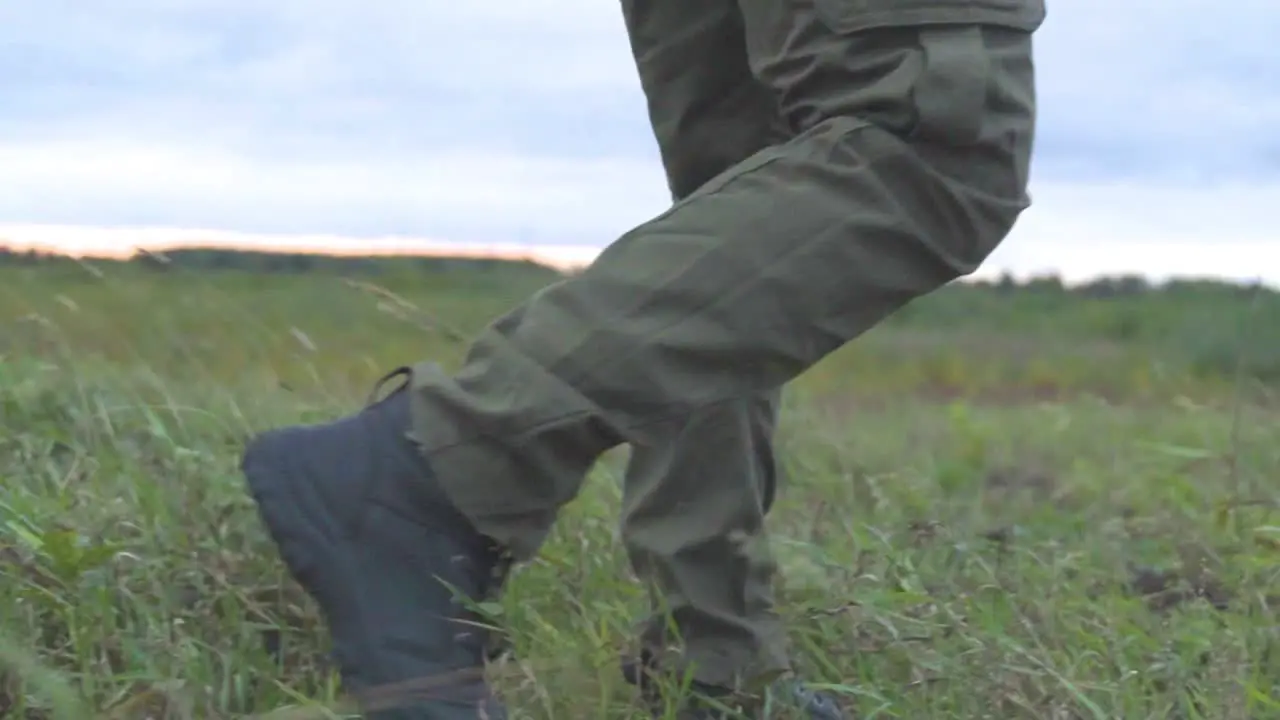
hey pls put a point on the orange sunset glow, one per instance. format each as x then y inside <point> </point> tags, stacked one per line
<point>122,242</point>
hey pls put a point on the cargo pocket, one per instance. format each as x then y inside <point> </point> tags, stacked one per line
<point>950,94</point>
<point>953,75</point>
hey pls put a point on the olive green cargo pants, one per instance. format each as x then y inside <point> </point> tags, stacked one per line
<point>831,160</point>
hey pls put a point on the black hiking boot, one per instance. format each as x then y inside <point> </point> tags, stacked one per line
<point>360,522</point>
<point>787,698</point>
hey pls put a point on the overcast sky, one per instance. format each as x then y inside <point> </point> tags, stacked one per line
<point>522,121</point>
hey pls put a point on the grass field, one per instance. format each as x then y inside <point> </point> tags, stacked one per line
<point>975,523</point>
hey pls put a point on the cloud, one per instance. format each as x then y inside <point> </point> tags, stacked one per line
<point>465,195</point>
<point>1081,230</point>
<point>1168,91</point>
<point>523,121</point>
<point>320,78</point>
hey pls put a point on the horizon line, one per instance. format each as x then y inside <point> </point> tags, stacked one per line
<point>124,242</point>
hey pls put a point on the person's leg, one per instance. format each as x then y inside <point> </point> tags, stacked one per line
<point>910,168</point>
<point>708,113</point>
<point>707,109</point>
<point>914,124</point>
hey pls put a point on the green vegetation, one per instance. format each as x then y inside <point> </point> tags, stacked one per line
<point>1008,501</point>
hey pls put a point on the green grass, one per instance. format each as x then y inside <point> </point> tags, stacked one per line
<point>971,525</point>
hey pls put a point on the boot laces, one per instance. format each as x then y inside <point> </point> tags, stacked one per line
<point>501,561</point>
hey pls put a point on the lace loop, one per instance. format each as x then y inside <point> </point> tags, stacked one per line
<point>404,371</point>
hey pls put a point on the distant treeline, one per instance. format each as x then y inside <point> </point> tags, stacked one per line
<point>214,259</point>
<point>299,263</point>
<point>1219,327</point>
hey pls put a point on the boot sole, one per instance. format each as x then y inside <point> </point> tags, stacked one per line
<point>330,568</point>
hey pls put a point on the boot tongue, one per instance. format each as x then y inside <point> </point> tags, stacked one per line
<point>403,373</point>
